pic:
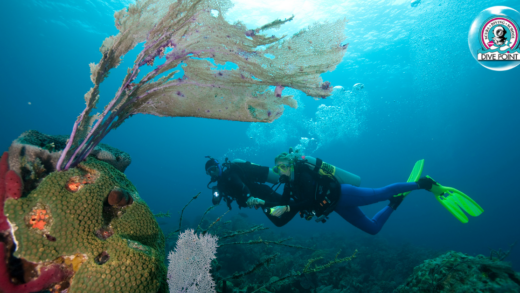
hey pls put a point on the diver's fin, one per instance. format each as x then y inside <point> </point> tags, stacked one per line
<point>456,202</point>
<point>397,199</point>
<point>414,176</point>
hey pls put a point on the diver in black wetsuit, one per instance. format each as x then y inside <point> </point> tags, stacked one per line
<point>242,182</point>
<point>317,193</point>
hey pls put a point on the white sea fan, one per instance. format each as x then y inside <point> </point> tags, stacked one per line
<point>190,263</point>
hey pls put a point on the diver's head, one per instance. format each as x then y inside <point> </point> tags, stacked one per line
<point>213,169</point>
<point>283,164</point>
<point>499,31</point>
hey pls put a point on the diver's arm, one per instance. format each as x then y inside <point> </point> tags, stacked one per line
<point>257,173</point>
<point>237,184</point>
<point>303,205</point>
<point>286,199</point>
<point>271,204</point>
<point>270,197</point>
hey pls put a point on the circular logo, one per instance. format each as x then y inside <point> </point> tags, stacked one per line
<point>499,33</point>
<point>493,38</point>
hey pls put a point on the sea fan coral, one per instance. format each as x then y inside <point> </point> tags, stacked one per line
<point>187,33</point>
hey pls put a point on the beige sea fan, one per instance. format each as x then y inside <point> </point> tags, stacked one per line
<point>193,35</point>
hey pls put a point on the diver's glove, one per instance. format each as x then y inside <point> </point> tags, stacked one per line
<point>426,183</point>
<point>253,201</point>
<point>279,210</point>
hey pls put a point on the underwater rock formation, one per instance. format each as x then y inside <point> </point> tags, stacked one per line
<point>85,230</point>
<point>458,272</point>
<point>33,146</point>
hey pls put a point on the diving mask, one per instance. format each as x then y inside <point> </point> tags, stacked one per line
<point>211,170</point>
<point>281,168</point>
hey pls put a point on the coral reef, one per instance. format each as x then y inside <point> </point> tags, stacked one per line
<point>85,230</point>
<point>458,272</point>
<point>11,188</point>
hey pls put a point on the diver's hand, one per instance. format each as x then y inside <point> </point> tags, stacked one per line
<point>279,211</point>
<point>252,201</point>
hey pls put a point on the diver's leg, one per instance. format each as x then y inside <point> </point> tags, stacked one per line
<point>360,196</point>
<point>355,216</point>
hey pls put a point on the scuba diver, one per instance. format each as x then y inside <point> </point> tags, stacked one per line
<point>242,182</point>
<point>316,188</point>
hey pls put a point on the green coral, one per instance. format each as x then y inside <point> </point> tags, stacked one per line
<point>135,249</point>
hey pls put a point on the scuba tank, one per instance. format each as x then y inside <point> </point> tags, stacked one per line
<point>325,169</point>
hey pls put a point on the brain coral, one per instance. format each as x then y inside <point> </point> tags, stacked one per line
<point>69,220</point>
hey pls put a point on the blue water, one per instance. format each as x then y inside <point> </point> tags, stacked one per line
<point>424,96</point>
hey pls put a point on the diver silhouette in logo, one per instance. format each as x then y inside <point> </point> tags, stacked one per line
<point>500,40</point>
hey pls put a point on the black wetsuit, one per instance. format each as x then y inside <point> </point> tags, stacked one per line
<point>308,190</point>
<point>241,179</point>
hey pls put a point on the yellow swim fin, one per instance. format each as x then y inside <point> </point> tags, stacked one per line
<point>456,202</point>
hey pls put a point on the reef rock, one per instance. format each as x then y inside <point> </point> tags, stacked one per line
<point>458,272</point>
<point>33,146</point>
<point>87,223</point>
